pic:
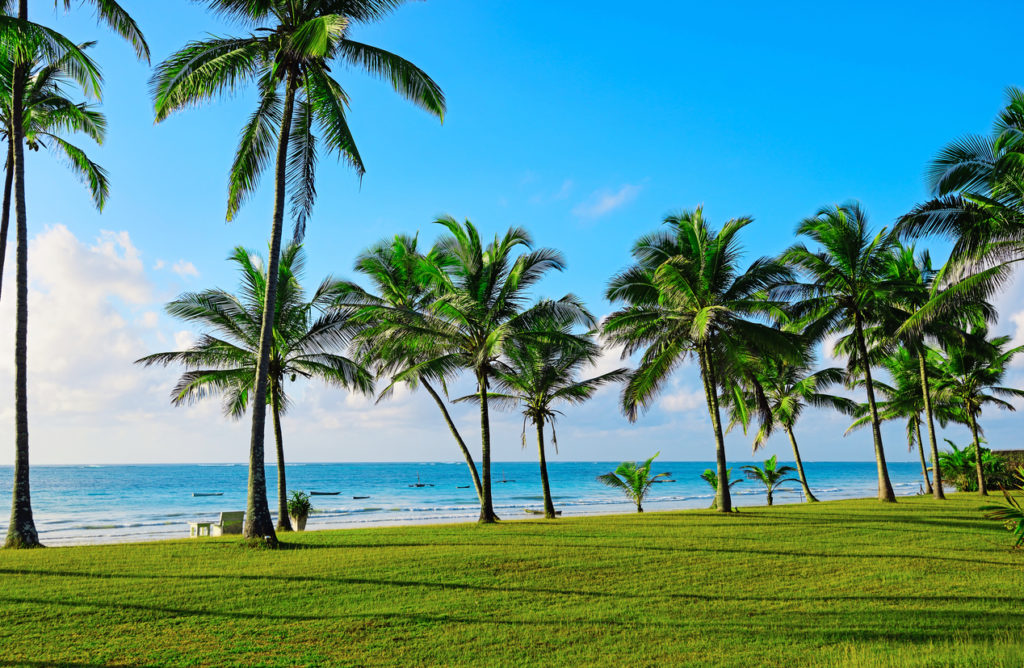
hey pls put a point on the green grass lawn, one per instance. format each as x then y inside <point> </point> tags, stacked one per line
<point>841,583</point>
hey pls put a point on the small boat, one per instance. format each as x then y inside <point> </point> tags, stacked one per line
<point>207,493</point>
<point>534,511</point>
<point>324,493</point>
<point>504,479</point>
<point>420,484</point>
<point>462,487</point>
<point>360,497</point>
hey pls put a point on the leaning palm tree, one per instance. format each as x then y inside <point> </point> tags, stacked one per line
<point>308,336</point>
<point>24,45</point>
<point>289,57</point>
<point>478,312</point>
<point>540,373</point>
<point>395,269</point>
<point>846,290</point>
<point>686,297</point>
<point>973,371</point>
<point>47,113</point>
<point>771,476</point>
<point>788,388</point>
<point>633,480</point>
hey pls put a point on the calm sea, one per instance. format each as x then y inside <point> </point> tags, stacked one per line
<point>102,504</point>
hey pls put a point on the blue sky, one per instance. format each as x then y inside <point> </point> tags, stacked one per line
<point>586,127</point>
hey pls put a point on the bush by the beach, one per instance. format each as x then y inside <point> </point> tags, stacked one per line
<point>918,583</point>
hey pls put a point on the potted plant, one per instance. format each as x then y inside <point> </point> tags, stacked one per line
<point>299,508</point>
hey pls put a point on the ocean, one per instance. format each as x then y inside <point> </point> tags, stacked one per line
<point>129,503</point>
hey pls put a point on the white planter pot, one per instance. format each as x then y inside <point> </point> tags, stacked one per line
<point>298,523</point>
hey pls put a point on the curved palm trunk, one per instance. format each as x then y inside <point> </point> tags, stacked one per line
<point>723,498</point>
<point>458,439</point>
<point>770,496</point>
<point>936,470</point>
<point>977,454</point>
<point>924,462</point>
<point>549,505</point>
<point>800,468</point>
<point>21,532</point>
<point>283,521</point>
<point>258,522</point>
<point>486,506</point>
<point>5,215</point>
<point>885,493</point>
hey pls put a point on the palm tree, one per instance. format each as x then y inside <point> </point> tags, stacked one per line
<point>25,45</point>
<point>394,268</point>
<point>787,387</point>
<point>711,478</point>
<point>540,373</point>
<point>634,480</point>
<point>903,400</point>
<point>846,290</point>
<point>771,476</point>
<point>686,296</point>
<point>478,312</point>
<point>307,338</point>
<point>289,56</point>
<point>927,308</point>
<point>978,195</point>
<point>973,371</point>
<point>47,112</point>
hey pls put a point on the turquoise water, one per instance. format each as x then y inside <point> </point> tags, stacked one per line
<point>96,504</point>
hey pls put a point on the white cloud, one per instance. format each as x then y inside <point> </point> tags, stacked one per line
<point>683,400</point>
<point>604,202</point>
<point>185,269</point>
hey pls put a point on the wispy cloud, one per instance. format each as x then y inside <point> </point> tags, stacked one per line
<point>185,269</point>
<point>603,202</point>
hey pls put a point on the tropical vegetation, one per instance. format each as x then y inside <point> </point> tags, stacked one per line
<point>634,480</point>
<point>771,475</point>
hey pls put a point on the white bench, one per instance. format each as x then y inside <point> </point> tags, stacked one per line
<point>229,523</point>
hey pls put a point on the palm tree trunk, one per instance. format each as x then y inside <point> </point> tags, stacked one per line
<point>458,439</point>
<point>5,215</point>
<point>800,468</point>
<point>722,496</point>
<point>21,532</point>
<point>924,462</point>
<point>977,454</point>
<point>283,522</point>
<point>936,470</point>
<point>770,499</point>
<point>258,522</point>
<point>549,505</point>
<point>885,493</point>
<point>486,506</point>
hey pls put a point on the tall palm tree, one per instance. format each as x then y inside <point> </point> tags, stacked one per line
<point>634,480</point>
<point>25,44</point>
<point>479,311</point>
<point>973,371</point>
<point>788,388</point>
<point>686,296</point>
<point>289,56</point>
<point>308,336</point>
<point>846,289</point>
<point>903,400</point>
<point>925,309</point>
<point>47,112</point>
<point>711,478</point>
<point>395,268</point>
<point>539,374</point>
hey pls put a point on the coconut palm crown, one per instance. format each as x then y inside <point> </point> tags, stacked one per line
<point>687,297</point>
